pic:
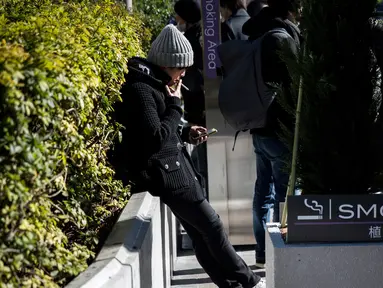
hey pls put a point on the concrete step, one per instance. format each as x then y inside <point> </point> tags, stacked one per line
<point>193,280</point>
<point>189,274</point>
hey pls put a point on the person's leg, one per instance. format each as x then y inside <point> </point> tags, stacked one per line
<point>262,198</point>
<point>279,153</point>
<point>202,253</point>
<point>201,216</point>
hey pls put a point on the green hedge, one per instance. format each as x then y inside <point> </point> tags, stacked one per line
<point>155,14</point>
<point>61,68</point>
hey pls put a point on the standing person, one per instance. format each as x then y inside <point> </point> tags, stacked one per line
<point>271,152</point>
<point>234,14</point>
<point>152,154</point>
<point>188,18</point>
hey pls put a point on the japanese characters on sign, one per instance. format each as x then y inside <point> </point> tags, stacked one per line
<point>375,232</point>
<point>335,218</point>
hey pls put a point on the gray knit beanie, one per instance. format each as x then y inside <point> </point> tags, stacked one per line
<point>171,49</point>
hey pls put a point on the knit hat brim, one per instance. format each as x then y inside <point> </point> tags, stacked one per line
<point>178,60</point>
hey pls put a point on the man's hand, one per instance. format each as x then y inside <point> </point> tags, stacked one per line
<point>176,91</point>
<point>197,135</point>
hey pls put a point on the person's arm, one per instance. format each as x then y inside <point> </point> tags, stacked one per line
<point>375,32</point>
<point>194,135</point>
<point>275,70</point>
<point>155,131</point>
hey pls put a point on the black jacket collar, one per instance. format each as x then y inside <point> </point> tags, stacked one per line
<point>142,70</point>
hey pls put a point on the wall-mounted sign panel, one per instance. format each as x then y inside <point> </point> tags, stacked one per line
<point>211,30</point>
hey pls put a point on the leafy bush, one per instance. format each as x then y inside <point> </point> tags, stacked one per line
<point>155,14</point>
<point>61,68</point>
<point>340,125</point>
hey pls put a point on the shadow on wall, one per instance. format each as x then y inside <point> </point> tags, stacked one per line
<point>134,243</point>
<point>137,252</point>
<point>146,261</point>
<point>191,281</point>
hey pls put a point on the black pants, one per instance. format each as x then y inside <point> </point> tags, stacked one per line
<point>212,247</point>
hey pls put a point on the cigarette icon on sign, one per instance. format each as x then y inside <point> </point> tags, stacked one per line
<point>310,217</point>
<point>314,207</point>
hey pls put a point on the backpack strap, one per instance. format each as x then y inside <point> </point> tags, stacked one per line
<point>236,136</point>
<point>235,139</point>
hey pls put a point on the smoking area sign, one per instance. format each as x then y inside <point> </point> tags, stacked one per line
<point>211,35</point>
<point>335,218</point>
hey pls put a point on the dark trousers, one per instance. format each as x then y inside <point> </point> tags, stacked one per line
<point>212,247</point>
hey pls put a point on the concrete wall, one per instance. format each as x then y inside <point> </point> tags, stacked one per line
<point>140,252</point>
<point>342,265</point>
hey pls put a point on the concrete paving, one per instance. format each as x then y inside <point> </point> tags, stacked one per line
<point>189,274</point>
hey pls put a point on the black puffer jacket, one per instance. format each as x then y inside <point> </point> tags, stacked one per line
<point>274,70</point>
<point>152,153</point>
